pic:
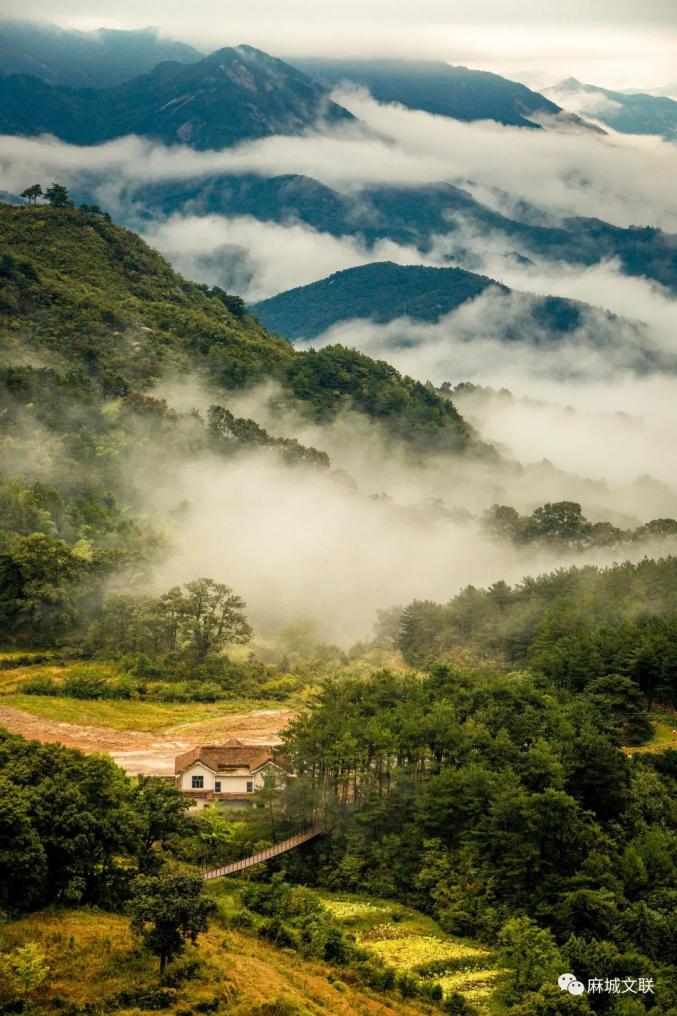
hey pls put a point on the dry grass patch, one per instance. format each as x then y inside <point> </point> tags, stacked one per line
<point>93,958</point>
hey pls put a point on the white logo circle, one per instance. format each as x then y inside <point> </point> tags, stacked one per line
<point>564,980</point>
<point>576,988</point>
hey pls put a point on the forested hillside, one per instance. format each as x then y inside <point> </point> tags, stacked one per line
<point>506,809</point>
<point>92,320</point>
<point>575,626</point>
<point>80,287</point>
<point>383,291</point>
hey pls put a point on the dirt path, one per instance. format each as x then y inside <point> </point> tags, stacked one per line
<point>138,751</point>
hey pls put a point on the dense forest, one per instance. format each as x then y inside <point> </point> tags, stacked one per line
<point>92,319</point>
<point>506,808</point>
<point>573,626</point>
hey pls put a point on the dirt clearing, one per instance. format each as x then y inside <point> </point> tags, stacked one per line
<point>138,751</point>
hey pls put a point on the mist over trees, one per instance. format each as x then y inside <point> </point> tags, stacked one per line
<point>493,760</point>
<point>574,626</point>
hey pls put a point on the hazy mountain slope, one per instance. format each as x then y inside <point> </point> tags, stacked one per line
<point>415,215</point>
<point>383,292</point>
<point>85,59</point>
<point>437,87</point>
<point>630,114</point>
<point>94,303</point>
<point>229,96</point>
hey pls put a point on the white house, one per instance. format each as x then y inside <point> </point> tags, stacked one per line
<point>230,773</point>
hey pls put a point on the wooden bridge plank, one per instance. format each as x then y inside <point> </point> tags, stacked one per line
<point>264,855</point>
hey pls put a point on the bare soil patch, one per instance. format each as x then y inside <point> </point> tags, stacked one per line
<point>142,752</point>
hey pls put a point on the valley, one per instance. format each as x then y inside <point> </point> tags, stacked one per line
<point>338,514</point>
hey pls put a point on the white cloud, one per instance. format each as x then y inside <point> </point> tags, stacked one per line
<point>617,44</point>
<point>272,257</point>
<point>623,179</point>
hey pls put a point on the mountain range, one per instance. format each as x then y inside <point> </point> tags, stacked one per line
<point>97,59</point>
<point>440,88</point>
<point>628,113</point>
<point>232,95</point>
<point>241,93</point>
<point>86,88</point>
<point>416,215</point>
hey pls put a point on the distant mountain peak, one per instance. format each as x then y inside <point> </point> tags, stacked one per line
<point>439,88</point>
<point>232,95</point>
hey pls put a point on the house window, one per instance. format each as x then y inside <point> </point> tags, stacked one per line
<point>250,786</point>
<point>197,782</point>
<point>217,786</point>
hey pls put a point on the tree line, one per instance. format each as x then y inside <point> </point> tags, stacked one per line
<point>573,626</point>
<point>58,196</point>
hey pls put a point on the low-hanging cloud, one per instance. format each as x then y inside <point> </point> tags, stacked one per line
<point>568,173</point>
<point>258,259</point>
<point>623,179</point>
<point>305,542</point>
<point>618,44</point>
<point>578,402</point>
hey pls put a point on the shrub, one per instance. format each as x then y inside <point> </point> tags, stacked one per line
<point>456,1005</point>
<point>408,985</point>
<point>376,975</point>
<point>185,968</point>
<point>241,919</point>
<point>277,932</point>
<point>41,684</point>
<point>145,998</point>
<point>280,1007</point>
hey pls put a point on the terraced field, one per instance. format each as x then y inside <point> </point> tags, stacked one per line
<point>410,941</point>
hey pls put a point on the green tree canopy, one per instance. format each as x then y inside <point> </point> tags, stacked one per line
<point>168,910</point>
<point>57,196</point>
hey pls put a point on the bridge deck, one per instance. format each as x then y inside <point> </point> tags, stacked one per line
<point>265,855</point>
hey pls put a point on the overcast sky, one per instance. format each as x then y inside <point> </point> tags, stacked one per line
<point>617,43</point>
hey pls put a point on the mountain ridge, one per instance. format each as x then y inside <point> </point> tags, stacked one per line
<point>626,112</point>
<point>94,299</point>
<point>443,89</point>
<point>383,292</point>
<point>413,215</point>
<point>232,95</point>
<point>75,59</point>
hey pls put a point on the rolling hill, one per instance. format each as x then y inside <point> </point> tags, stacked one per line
<point>382,292</point>
<point>232,95</point>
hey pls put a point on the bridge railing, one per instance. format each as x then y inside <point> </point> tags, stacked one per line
<point>264,855</point>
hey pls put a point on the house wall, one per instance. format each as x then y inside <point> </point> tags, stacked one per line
<point>229,784</point>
